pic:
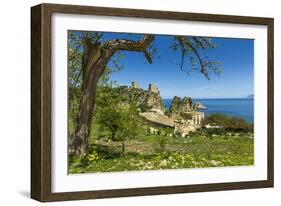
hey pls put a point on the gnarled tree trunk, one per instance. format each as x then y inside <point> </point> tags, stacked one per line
<point>79,144</point>
<point>95,60</point>
<point>93,68</point>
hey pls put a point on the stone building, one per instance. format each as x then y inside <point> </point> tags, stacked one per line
<point>198,117</point>
<point>135,85</point>
<point>153,89</point>
<point>184,115</point>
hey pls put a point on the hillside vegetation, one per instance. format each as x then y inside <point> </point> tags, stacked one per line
<point>123,141</point>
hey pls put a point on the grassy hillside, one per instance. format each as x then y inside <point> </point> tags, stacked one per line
<point>164,152</point>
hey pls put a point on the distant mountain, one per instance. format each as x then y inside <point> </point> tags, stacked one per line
<point>251,96</point>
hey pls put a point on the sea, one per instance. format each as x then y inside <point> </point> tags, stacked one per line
<point>243,107</point>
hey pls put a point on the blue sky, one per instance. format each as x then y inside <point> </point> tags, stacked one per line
<point>236,80</point>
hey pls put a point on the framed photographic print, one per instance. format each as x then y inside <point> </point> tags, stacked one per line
<point>132,102</point>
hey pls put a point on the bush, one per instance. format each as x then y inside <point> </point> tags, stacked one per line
<point>78,161</point>
<point>160,144</point>
<point>230,124</point>
<point>216,131</point>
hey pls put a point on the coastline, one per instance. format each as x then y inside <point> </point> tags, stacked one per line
<point>235,107</point>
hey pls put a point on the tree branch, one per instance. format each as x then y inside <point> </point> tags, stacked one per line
<point>130,45</point>
<point>98,38</point>
<point>77,77</point>
<point>74,52</point>
<point>148,56</point>
<point>183,53</point>
<point>198,43</point>
<point>203,68</point>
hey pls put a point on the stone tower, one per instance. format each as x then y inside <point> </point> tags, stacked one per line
<point>154,100</point>
<point>153,89</point>
<point>135,85</point>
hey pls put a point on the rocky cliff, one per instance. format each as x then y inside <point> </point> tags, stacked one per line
<point>150,100</point>
<point>180,106</point>
<point>154,100</point>
<point>183,117</point>
<point>146,100</point>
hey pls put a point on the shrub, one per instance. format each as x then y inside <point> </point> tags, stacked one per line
<point>230,124</point>
<point>160,144</point>
<point>78,161</point>
<point>215,131</point>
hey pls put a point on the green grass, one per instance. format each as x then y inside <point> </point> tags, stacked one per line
<point>150,153</point>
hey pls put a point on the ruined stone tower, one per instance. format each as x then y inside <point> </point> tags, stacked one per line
<point>153,89</point>
<point>135,85</point>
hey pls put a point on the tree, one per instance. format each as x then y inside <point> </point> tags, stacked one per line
<point>93,53</point>
<point>121,120</point>
<point>128,125</point>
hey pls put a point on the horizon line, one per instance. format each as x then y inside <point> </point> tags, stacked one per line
<point>244,97</point>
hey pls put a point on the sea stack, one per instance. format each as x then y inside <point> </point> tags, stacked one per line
<point>199,105</point>
<point>179,106</point>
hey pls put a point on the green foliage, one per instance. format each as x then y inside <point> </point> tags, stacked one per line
<point>127,128</point>
<point>94,157</point>
<point>215,131</point>
<point>85,160</point>
<point>228,123</point>
<point>194,152</point>
<point>236,148</point>
<point>75,64</point>
<point>143,107</point>
<point>75,53</point>
<point>116,119</point>
<point>160,144</point>
<point>77,162</point>
<point>116,114</point>
<point>74,75</point>
<point>110,119</point>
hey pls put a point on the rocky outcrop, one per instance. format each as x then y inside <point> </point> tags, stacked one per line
<point>183,117</point>
<point>175,106</point>
<point>146,100</point>
<point>199,105</point>
<point>186,104</point>
<point>180,106</point>
<point>154,100</point>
